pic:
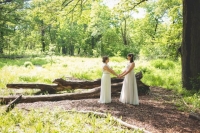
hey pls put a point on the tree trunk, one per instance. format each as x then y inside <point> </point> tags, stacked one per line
<point>124,33</point>
<point>64,50</point>
<point>93,42</point>
<point>42,36</point>
<point>191,43</point>
<point>1,42</point>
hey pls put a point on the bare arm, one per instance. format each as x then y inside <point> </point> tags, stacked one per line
<point>109,70</point>
<point>122,73</point>
<point>129,70</point>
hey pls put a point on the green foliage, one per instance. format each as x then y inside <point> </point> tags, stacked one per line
<point>195,82</point>
<point>164,73</point>
<point>28,64</point>
<point>39,61</point>
<point>27,78</point>
<point>91,29</point>
<point>160,64</point>
<point>55,121</point>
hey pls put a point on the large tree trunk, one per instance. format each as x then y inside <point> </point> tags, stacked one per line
<point>191,43</point>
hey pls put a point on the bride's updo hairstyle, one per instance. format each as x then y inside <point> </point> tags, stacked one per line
<point>104,59</point>
<point>132,56</point>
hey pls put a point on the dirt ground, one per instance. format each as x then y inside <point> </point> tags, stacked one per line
<point>156,112</point>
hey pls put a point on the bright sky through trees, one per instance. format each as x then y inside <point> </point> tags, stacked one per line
<point>111,3</point>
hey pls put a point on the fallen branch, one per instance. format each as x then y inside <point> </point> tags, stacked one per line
<point>42,87</point>
<point>11,105</point>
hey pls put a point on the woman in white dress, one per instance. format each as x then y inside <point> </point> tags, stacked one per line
<point>105,94</point>
<point>129,92</point>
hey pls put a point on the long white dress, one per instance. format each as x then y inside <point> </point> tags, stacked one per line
<point>105,94</point>
<point>129,92</point>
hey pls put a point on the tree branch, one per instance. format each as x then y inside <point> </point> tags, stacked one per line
<point>138,3</point>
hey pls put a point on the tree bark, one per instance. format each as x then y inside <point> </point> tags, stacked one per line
<point>191,43</point>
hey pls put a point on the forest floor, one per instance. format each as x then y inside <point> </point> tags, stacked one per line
<point>156,112</point>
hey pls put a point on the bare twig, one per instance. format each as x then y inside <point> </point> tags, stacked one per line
<point>13,103</point>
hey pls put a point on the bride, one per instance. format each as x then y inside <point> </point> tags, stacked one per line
<point>105,94</point>
<point>129,92</point>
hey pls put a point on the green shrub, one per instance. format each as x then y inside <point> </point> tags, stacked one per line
<point>163,64</point>
<point>28,64</point>
<point>195,82</point>
<point>39,61</point>
<point>64,65</point>
<point>117,59</point>
<point>1,64</point>
<point>81,75</point>
<point>29,78</point>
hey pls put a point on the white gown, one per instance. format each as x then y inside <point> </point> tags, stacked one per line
<point>129,92</point>
<point>105,94</point>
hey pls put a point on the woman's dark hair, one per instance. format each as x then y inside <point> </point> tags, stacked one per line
<point>104,58</point>
<point>132,56</point>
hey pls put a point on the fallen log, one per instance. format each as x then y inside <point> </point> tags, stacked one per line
<point>12,104</point>
<point>91,93</point>
<point>95,92</point>
<point>80,84</point>
<point>61,84</point>
<point>42,87</point>
<point>76,84</point>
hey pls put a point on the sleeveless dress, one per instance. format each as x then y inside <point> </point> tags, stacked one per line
<point>105,93</point>
<point>129,92</point>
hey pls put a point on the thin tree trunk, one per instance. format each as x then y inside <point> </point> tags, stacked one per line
<point>64,50</point>
<point>51,39</point>
<point>191,42</point>
<point>1,43</point>
<point>124,33</point>
<point>42,36</point>
<point>93,42</point>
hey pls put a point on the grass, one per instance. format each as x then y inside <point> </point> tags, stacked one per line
<point>57,121</point>
<point>167,74</point>
<point>40,70</point>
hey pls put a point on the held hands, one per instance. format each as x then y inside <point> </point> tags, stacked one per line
<point>119,76</point>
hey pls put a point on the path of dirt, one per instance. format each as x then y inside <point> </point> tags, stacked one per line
<point>156,112</point>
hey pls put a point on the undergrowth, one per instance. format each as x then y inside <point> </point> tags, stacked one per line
<point>57,121</point>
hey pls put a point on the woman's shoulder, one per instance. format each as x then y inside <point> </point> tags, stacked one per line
<point>132,63</point>
<point>104,64</point>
